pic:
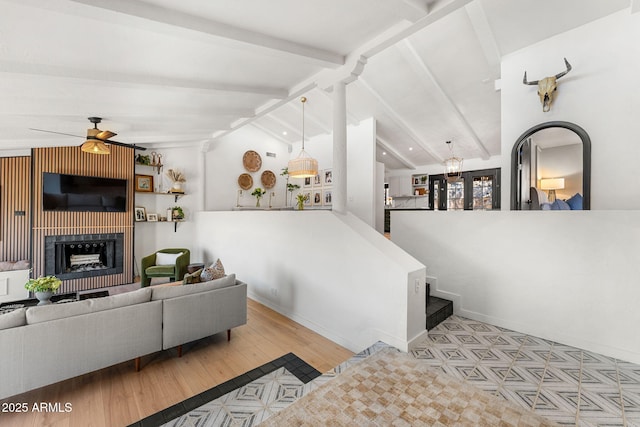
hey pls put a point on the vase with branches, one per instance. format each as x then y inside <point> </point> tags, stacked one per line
<point>178,178</point>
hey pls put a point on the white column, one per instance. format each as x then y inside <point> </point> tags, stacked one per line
<point>339,195</point>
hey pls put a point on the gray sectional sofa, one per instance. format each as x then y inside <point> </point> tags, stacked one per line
<point>45,344</point>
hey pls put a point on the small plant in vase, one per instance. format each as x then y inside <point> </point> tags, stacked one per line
<point>178,179</point>
<point>177,214</point>
<point>43,288</point>
<point>301,199</point>
<point>258,193</point>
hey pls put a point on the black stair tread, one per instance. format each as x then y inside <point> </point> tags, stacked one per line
<point>438,309</point>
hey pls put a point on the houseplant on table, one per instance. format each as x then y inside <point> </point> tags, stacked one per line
<point>258,193</point>
<point>301,199</point>
<point>43,288</point>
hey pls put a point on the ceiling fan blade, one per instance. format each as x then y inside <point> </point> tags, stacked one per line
<point>105,134</point>
<point>124,144</point>
<point>58,133</point>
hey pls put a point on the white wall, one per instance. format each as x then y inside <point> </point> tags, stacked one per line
<point>361,171</point>
<point>328,271</point>
<point>600,94</point>
<point>567,276</point>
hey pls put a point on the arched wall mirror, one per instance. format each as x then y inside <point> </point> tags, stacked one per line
<point>549,162</point>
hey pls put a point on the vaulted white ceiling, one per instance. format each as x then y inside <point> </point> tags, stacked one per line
<point>169,73</point>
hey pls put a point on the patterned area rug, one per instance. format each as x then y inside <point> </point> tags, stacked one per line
<point>242,401</point>
<point>392,388</point>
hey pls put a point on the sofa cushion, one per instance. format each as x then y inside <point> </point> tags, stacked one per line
<point>166,292</point>
<point>13,319</point>
<point>121,300</point>
<point>163,258</point>
<point>191,278</point>
<point>46,313</point>
<point>160,270</point>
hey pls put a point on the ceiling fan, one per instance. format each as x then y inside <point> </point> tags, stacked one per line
<point>96,138</point>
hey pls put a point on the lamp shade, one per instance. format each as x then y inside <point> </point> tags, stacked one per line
<point>303,166</point>
<point>552,183</point>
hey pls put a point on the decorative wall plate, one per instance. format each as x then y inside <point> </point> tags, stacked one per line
<point>252,161</point>
<point>268,179</point>
<point>245,181</point>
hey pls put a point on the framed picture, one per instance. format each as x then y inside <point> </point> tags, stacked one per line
<point>141,214</point>
<point>328,176</point>
<point>152,217</point>
<point>307,182</point>
<point>308,196</point>
<point>317,197</point>
<point>317,180</point>
<point>144,183</point>
<point>326,197</point>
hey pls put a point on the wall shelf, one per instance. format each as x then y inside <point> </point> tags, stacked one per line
<point>176,195</point>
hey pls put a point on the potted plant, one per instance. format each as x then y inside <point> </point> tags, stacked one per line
<point>177,213</point>
<point>258,193</point>
<point>178,179</point>
<point>43,288</point>
<point>301,199</point>
<point>291,188</point>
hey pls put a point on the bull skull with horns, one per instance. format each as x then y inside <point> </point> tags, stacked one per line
<point>547,86</point>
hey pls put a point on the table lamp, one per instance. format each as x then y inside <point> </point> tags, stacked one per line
<point>552,184</point>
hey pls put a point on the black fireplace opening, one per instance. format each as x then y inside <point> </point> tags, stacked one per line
<point>83,255</point>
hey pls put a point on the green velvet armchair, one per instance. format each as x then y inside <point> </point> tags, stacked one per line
<point>163,266</point>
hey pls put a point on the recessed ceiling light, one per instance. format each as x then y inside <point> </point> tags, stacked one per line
<point>384,153</point>
<point>284,132</point>
<point>410,148</point>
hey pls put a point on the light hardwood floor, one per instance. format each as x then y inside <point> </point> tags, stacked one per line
<point>118,396</point>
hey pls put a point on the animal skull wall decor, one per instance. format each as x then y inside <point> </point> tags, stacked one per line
<point>547,86</point>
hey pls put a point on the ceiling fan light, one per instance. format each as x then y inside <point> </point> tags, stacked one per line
<point>95,146</point>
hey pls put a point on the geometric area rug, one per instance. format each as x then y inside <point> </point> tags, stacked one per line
<point>393,388</point>
<point>245,400</point>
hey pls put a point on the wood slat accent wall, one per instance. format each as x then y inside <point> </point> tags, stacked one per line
<point>71,160</point>
<point>15,196</point>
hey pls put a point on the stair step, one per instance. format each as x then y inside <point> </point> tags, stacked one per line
<point>438,309</point>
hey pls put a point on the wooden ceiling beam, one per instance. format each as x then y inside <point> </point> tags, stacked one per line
<point>415,60</point>
<point>399,121</point>
<point>386,146</point>
<point>153,15</point>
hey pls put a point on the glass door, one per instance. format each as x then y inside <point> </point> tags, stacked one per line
<point>476,190</point>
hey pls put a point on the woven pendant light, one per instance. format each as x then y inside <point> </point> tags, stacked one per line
<point>303,166</point>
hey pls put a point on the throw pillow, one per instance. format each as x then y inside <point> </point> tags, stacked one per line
<point>575,202</point>
<point>560,205</point>
<point>214,271</point>
<point>163,258</point>
<point>192,278</point>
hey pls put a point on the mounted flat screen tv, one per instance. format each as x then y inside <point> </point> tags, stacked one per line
<point>77,193</point>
